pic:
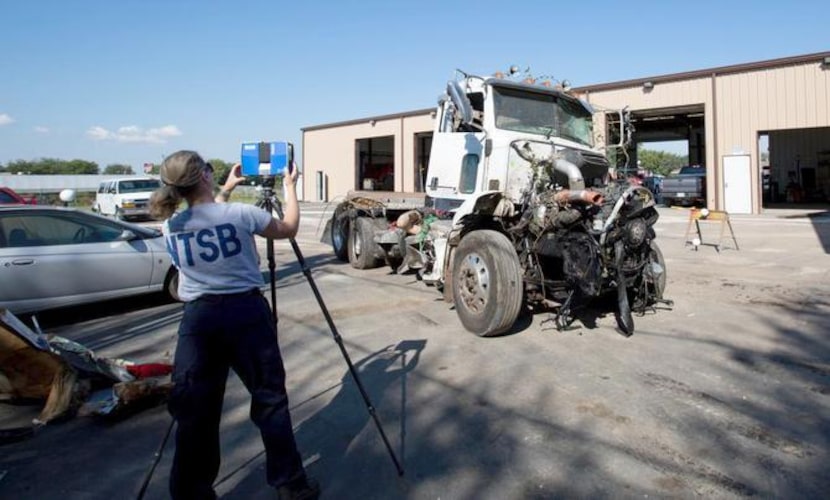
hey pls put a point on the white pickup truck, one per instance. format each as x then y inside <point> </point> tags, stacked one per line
<point>125,198</point>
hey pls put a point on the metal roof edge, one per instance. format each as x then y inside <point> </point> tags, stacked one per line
<point>705,73</point>
<point>392,116</point>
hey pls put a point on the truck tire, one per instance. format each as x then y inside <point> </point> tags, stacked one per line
<point>340,235</point>
<point>362,247</point>
<point>487,285</point>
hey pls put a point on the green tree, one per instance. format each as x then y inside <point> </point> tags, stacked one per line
<point>660,162</point>
<point>81,167</point>
<point>19,166</point>
<point>118,169</point>
<point>52,166</point>
<point>221,169</point>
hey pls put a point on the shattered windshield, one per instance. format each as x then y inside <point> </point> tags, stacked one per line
<point>543,114</point>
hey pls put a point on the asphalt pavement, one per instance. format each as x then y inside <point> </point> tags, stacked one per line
<point>724,395</point>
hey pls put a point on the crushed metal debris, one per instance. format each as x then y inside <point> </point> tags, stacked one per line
<point>69,379</point>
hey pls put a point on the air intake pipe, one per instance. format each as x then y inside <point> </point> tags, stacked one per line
<point>575,180</point>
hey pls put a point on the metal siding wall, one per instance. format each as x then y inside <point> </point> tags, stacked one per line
<point>332,151</point>
<point>792,97</point>
<point>796,96</point>
<point>788,97</point>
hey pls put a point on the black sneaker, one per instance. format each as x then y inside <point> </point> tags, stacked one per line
<point>300,489</point>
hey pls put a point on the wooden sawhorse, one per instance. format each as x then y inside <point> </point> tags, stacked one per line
<point>698,215</point>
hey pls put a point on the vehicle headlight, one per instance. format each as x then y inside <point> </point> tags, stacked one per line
<point>635,232</point>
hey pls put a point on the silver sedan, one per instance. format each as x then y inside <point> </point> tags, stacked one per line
<point>54,257</point>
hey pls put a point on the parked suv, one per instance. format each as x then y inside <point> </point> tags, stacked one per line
<point>125,198</point>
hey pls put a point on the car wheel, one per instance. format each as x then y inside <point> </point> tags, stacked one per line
<point>487,283</point>
<point>171,284</point>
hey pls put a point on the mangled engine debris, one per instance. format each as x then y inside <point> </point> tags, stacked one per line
<point>569,245</point>
<point>69,379</point>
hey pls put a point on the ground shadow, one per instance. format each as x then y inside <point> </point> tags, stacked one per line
<point>331,433</point>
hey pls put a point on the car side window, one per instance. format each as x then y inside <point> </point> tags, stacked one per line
<point>47,230</point>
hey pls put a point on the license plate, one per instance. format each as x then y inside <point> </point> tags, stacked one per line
<point>681,195</point>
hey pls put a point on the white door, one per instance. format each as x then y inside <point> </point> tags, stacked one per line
<point>737,184</point>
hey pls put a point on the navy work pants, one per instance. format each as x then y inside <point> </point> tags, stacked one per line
<point>219,332</point>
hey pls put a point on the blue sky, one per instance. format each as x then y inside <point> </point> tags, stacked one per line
<point>128,81</point>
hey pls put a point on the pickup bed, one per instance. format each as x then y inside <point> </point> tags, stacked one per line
<point>687,187</point>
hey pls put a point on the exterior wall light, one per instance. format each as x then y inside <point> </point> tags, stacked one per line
<point>647,86</point>
<point>825,62</point>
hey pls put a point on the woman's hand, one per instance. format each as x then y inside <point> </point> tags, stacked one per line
<point>235,177</point>
<point>290,178</point>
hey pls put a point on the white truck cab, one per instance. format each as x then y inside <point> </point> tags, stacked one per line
<point>483,119</point>
<point>125,198</point>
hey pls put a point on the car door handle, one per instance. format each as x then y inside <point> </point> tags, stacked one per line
<point>23,262</point>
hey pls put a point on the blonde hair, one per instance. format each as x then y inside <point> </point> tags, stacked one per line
<point>164,202</point>
<point>180,172</point>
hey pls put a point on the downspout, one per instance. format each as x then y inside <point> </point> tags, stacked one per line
<point>403,162</point>
<point>715,186</point>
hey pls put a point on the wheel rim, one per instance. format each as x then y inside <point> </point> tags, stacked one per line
<point>474,283</point>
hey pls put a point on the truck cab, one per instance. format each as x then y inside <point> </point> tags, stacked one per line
<point>482,121</point>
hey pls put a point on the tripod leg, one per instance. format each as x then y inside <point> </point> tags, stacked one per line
<point>266,204</point>
<point>339,340</point>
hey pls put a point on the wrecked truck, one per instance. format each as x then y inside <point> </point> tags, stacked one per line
<point>521,212</point>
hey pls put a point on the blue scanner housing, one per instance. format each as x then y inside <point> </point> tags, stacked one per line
<point>266,158</point>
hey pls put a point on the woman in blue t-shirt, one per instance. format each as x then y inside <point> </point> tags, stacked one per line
<point>226,323</point>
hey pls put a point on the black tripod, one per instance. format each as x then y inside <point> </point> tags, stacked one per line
<point>269,201</point>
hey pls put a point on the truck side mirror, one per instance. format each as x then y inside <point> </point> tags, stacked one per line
<point>460,101</point>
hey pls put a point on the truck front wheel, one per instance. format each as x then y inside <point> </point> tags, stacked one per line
<point>487,283</point>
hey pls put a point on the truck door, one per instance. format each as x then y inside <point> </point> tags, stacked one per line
<point>456,159</point>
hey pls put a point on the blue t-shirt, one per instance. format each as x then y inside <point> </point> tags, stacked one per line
<point>212,245</point>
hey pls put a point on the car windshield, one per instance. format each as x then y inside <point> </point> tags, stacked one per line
<point>138,186</point>
<point>544,114</point>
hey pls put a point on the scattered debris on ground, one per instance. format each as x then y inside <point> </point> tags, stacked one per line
<point>69,379</point>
